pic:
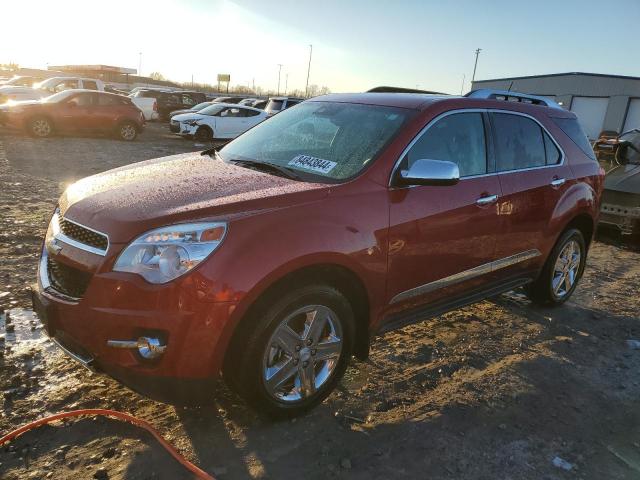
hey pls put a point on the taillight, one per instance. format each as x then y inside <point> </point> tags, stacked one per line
<point>155,106</point>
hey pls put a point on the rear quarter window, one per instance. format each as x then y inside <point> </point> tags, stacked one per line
<point>573,130</point>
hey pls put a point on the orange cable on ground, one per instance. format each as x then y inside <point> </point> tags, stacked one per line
<point>200,474</point>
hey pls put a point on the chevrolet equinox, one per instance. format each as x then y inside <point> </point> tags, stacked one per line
<point>272,261</point>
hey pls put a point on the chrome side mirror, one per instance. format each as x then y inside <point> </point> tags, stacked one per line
<point>429,172</point>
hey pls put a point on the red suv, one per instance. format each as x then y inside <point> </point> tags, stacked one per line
<point>275,259</point>
<point>75,111</point>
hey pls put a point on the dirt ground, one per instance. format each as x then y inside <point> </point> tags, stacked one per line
<point>498,390</point>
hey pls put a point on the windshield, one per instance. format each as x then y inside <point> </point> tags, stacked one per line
<point>274,106</point>
<point>20,81</point>
<point>320,139</point>
<point>58,97</point>
<point>630,149</point>
<point>212,109</point>
<point>200,106</point>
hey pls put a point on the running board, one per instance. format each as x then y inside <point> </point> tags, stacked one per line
<point>402,319</point>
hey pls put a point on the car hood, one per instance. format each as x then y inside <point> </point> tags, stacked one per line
<point>183,117</point>
<point>175,113</point>
<point>127,201</point>
<point>625,178</point>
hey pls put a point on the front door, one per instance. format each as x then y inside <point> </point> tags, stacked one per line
<point>442,239</point>
<point>78,113</point>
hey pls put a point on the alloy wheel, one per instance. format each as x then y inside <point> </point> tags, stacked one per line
<point>566,268</point>
<point>41,127</point>
<point>128,131</point>
<point>303,353</point>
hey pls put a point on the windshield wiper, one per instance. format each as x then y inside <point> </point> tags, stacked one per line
<point>287,172</point>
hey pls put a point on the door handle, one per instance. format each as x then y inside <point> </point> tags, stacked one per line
<point>557,182</point>
<point>488,200</point>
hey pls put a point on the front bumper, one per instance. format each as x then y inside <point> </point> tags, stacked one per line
<point>119,306</point>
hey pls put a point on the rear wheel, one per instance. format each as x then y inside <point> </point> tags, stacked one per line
<point>127,131</point>
<point>40,127</point>
<point>203,134</point>
<point>561,272</point>
<point>297,352</point>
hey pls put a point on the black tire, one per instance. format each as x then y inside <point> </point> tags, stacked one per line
<point>40,127</point>
<point>245,370</point>
<point>127,131</point>
<point>542,290</point>
<point>203,134</point>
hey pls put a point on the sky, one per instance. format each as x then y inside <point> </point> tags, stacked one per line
<point>357,44</point>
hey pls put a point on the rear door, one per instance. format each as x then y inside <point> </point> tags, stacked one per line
<point>443,238</point>
<point>533,176</point>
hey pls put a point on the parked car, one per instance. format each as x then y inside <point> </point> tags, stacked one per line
<point>146,101</point>
<point>276,258</point>
<point>261,104</point>
<point>195,108</point>
<point>248,101</point>
<point>168,102</point>
<point>277,104</point>
<point>227,100</point>
<point>75,111</point>
<point>48,87</point>
<point>621,197</point>
<point>217,121</point>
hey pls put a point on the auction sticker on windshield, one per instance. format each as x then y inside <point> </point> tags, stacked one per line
<point>308,162</point>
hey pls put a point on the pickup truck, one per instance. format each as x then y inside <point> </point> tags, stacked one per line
<point>146,101</point>
<point>48,87</point>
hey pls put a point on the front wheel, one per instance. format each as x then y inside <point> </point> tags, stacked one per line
<point>297,352</point>
<point>203,134</point>
<point>561,272</point>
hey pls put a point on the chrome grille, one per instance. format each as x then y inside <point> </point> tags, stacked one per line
<point>83,235</point>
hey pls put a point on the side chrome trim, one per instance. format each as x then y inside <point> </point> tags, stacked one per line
<point>476,110</point>
<point>466,275</point>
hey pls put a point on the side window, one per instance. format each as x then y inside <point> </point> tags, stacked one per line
<point>291,103</point>
<point>173,100</point>
<point>188,100</point>
<point>574,131</point>
<point>81,100</point>
<point>519,142</point>
<point>552,152</point>
<point>66,85</point>
<point>108,100</point>
<point>90,85</point>
<point>458,138</point>
<point>250,113</point>
<point>231,112</point>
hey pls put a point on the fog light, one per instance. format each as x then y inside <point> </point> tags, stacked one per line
<point>150,348</point>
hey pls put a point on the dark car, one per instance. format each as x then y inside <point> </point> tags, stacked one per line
<point>227,99</point>
<point>76,111</point>
<point>621,197</point>
<point>276,258</point>
<point>169,102</point>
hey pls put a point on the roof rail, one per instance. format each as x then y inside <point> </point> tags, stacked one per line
<point>385,89</point>
<point>488,93</point>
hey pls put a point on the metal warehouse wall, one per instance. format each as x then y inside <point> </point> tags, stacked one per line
<point>564,87</point>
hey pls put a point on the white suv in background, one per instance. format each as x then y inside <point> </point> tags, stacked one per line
<point>277,104</point>
<point>48,87</point>
<point>220,120</point>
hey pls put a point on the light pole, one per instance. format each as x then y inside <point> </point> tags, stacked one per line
<point>279,70</point>
<point>306,89</point>
<point>478,50</point>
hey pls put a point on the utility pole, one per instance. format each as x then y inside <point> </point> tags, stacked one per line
<point>279,70</point>
<point>192,80</point>
<point>462,86</point>
<point>478,50</point>
<point>286,83</point>
<point>254,85</point>
<point>140,64</point>
<point>306,89</point>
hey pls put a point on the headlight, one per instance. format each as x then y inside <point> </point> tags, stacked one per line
<point>166,253</point>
